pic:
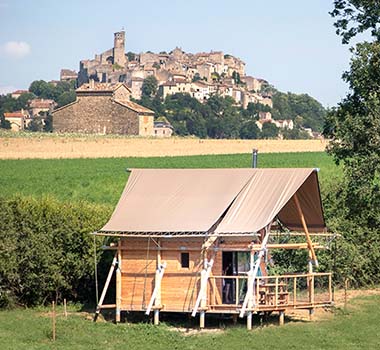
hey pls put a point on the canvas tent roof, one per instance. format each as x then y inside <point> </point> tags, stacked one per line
<point>223,201</point>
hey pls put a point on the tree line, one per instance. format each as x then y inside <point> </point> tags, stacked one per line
<point>61,92</point>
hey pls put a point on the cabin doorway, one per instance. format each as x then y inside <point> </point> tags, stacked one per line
<point>236,265</point>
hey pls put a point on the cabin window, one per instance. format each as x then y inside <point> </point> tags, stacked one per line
<point>185,260</point>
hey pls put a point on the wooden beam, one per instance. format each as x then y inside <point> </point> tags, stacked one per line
<point>105,288</point>
<point>157,301</point>
<point>303,221</point>
<point>118,284</point>
<point>203,289</point>
<point>257,247</point>
<point>159,274</point>
<point>253,273</point>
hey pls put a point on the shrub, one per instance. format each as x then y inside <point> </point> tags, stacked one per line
<point>46,251</point>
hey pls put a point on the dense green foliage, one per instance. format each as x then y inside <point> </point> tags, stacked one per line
<point>62,93</point>
<point>304,110</point>
<point>10,104</point>
<point>149,86</point>
<point>43,89</point>
<point>354,128</point>
<point>46,251</point>
<point>356,16</point>
<point>219,117</point>
<point>354,328</point>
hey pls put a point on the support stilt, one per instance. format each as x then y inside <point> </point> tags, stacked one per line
<point>202,317</point>
<point>157,301</point>
<point>156,319</point>
<point>249,320</point>
<point>281,318</point>
<point>234,319</point>
<point>118,284</point>
<point>105,287</point>
<point>311,314</point>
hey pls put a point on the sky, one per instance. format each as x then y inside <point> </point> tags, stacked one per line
<point>292,43</point>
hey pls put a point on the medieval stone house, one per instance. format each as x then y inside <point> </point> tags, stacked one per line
<point>104,108</point>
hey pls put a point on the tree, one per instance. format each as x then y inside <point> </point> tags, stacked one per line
<point>291,106</point>
<point>236,77</point>
<point>36,124</point>
<point>4,124</point>
<point>222,117</point>
<point>354,129</point>
<point>66,98</point>
<point>249,130</point>
<point>149,86</point>
<point>196,77</point>
<point>131,56</point>
<point>356,16</point>
<point>269,131</point>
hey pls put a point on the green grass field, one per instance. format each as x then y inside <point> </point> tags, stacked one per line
<point>101,180</point>
<point>355,328</point>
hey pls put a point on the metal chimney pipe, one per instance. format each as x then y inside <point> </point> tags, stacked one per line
<point>254,157</point>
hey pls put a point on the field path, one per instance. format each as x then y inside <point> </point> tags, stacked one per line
<point>104,147</point>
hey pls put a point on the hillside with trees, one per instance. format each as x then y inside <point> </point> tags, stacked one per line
<point>220,117</point>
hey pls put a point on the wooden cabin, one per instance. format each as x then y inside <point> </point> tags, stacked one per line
<point>198,240</point>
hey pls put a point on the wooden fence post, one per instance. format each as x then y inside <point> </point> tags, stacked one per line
<point>345,292</point>
<point>65,307</point>
<point>53,319</point>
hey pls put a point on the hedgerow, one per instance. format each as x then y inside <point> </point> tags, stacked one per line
<point>46,251</point>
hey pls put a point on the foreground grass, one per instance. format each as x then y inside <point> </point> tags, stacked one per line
<point>356,328</point>
<point>101,180</point>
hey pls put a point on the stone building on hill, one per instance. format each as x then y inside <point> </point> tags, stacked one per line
<point>104,108</point>
<point>41,105</point>
<point>68,75</point>
<point>19,120</point>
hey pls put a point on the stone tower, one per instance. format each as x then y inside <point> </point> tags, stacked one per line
<point>119,48</point>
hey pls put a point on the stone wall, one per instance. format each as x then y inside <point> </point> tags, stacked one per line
<point>96,114</point>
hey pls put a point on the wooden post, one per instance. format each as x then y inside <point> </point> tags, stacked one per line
<point>112,268</point>
<point>311,314</point>
<point>53,319</point>
<point>157,301</point>
<point>161,271</point>
<point>65,308</point>
<point>203,302</point>
<point>202,317</point>
<point>281,318</point>
<point>234,319</point>
<point>276,292</point>
<point>236,291</point>
<point>118,284</point>
<point>303,221</point>
<point>249,320</point>
<point>253,273</point>
<point>345,292</point>
<point>294,291</point>
<point>330,288</point>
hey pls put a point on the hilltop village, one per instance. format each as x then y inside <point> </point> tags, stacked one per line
<point>200,75</point>
<point>208,95</point>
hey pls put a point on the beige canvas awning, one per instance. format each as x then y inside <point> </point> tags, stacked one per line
<point>218,200</point>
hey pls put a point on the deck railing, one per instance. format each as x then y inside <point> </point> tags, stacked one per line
<point>272,292</point>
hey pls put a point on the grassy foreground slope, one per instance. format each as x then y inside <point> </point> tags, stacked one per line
<point>357,328</point>
<point>101,180</point>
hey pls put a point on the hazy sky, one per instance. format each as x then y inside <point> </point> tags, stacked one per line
<point>292,43</point>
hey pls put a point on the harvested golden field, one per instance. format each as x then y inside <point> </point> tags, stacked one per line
<point>104,147</point>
